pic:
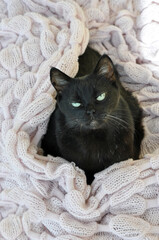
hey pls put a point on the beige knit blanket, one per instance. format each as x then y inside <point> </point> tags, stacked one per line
<point>46,198</point>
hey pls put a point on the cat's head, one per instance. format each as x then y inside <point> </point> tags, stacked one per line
<point>87,101</point>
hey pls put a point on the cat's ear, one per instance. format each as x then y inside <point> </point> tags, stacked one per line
<point>105,67</point>
<point>58,79</point>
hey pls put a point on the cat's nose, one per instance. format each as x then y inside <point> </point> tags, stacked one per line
<point>90,111</point>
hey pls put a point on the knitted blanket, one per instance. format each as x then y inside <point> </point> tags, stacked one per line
<point>47,198</point>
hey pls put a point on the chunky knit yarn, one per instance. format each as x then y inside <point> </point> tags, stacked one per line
<point>47,198</point>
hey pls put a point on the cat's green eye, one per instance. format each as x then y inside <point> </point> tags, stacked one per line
<point>74,104</point>
<point>101,97</point>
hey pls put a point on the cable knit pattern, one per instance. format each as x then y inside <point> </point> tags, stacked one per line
<point>47,198</point>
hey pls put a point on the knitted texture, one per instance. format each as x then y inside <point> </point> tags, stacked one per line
<point>47,198</point>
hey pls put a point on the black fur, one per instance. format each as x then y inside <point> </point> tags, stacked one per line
<point>98,133</point>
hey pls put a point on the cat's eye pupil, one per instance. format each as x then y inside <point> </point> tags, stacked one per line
<point>101,97</point>
<point>74,104</point>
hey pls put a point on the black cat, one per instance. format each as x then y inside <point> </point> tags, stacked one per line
<point>96,121</point>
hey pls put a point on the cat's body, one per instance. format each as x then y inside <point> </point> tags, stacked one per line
<point>96,121</point>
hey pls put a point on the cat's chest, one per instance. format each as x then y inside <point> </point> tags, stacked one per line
<point>94,152</point>
<point>87,146</point>
<point>93,142</point>
<point>87,152</point>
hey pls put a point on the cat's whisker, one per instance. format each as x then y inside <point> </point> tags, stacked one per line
<point>117,122</point>
<point>119,119</point>
<point>106,116</point>
<point>81,125</point>
<point>69,124</point>
<point>113,124</point>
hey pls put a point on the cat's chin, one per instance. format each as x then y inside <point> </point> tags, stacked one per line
<point>93,125</point>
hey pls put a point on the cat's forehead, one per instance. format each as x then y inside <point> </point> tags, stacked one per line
<point>90,82</point>
<point>85,86</point>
